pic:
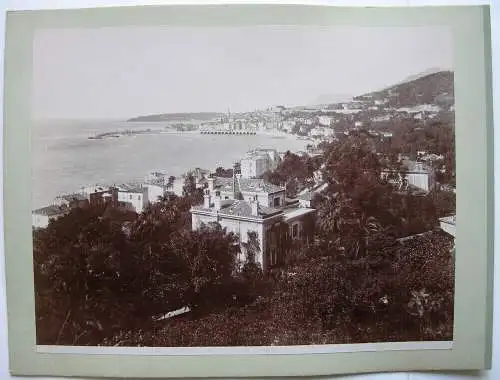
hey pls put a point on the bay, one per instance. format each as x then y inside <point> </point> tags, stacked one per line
<point>64,159</point>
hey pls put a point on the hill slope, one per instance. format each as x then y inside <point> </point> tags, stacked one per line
<point>435,88</point>
<point>175,117</point>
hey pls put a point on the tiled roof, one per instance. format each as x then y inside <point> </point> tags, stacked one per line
<point>130,188</point>
<point>243,209</point>
<point>258,185</point>
<point>51,210</point>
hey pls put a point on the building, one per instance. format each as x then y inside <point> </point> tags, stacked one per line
<point>154,192</point>
<point>157,177</point>
<point>322,132</point>
<point>239,188</point>
<point>131,197</point>
<point>265,193</point>
<point>325,121</point>
<point>415,174</point>
<point>71,200</point>
<point>420,175</point>
<point>448,225</point>
<point>97,194</point>
<point>41,217</point>
<point>255,206</point>
<point>256,162</point>
<point>306,196</point>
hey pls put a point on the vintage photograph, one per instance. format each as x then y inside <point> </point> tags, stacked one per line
<point>243,186</point>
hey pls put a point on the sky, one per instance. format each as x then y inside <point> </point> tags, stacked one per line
<point>115,73</point>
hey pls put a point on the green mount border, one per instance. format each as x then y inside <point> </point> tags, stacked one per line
<point>471,348</point>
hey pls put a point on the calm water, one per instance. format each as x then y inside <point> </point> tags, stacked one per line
<point>64,159</point>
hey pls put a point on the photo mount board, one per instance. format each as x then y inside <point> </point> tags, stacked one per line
<point>471,347</point>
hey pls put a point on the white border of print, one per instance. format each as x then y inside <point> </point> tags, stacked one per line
<point>268,350</point>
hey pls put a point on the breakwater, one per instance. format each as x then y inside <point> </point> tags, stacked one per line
<point>216,132</point>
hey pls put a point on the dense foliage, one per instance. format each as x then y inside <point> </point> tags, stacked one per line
<point>106,277</point>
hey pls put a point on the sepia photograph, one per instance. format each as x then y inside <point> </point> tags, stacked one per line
<point>243,186</point>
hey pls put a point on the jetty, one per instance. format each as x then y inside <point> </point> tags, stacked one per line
<point>226,132</point>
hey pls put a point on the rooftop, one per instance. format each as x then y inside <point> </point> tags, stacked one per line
<point>241,208</point>
<point>51,210</point>
<point>130,188</point>
<point>416,167</point>
<point>449,219</point>
<point>258,185</point>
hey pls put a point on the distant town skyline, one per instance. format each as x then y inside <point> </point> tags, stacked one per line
<point>117,73</point>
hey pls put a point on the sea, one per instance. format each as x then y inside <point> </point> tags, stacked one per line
<point>65,159</point>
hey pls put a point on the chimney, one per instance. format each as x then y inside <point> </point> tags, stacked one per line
<point>206,199</point>
<point>217,201</point>
<point>255,206</point>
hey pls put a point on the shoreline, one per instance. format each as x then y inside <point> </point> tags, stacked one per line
<point>149,131</point>
<point>140,179</point>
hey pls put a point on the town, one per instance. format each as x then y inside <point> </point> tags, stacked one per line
<point>244,248</point>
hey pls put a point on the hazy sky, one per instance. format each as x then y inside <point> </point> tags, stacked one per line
<point>124,72</point>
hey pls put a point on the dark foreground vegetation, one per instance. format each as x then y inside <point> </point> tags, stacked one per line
<point>104,277</point>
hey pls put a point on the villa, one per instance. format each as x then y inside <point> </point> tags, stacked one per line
<point>131,197</point>
<point>41,217</point>
<point>243,205</point>
<point>416,174</point>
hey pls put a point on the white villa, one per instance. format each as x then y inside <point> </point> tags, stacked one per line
<point>243,205</point>
<point>132,197</point>
<point>417,174</point>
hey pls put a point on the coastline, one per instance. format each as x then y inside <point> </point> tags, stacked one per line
<point>168,131</point>
<point>171,165</point>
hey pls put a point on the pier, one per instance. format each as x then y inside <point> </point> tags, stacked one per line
<point>219,132</point>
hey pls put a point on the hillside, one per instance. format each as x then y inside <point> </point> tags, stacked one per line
<point>435,88</point>
<point>175,117</point>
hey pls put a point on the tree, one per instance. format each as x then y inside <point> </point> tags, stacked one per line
<point>81,265</point>
<point>225,173</point>
<point>294,172</point>
<point>171,181</point>
<point>210,256</point>
<point>190,191</point>
<point>251,268</point>
<point>189,187</point>
<point>357,203</point>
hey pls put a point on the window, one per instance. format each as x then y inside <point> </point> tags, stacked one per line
<point>276,202</point>
<point>130,196</point>
<point>139,197</point>
<point>295,230</point>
